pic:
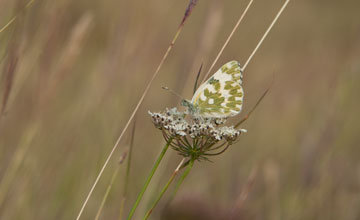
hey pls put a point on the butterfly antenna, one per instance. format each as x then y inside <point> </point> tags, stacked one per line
<point>172,92</point>
<point>197,78</point>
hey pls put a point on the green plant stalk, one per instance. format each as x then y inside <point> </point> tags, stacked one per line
<point>127,175</point>
<point>122,204</point>
<point>181,180</point>
<point>121,160</point>
<point>151,174</point>
<point>188,11</point>
<point>164,190</point>
<point>107,192</point>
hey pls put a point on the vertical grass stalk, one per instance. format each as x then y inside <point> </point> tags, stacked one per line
<point>151,174</point>
<point>107,192</point>
<point>181,180</point>
<point>164,190</point>
<point>180,28</point>
<point>127,175</point>
<point>265,34</point>
<point>121,160</point>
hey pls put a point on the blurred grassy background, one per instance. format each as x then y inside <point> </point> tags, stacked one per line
<point>73,71</point>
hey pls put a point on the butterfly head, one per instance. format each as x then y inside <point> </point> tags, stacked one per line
<point>190,107</point>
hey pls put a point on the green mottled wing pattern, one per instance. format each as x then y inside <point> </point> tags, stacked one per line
<point>220,96</point>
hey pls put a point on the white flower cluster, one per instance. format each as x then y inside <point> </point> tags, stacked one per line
<point>173,121</point>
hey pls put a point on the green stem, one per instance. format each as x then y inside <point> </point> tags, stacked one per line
<point>127,175</point>
<point>181,180</point>
<point>164,189</point>
<point>121,160</point>
<point>132,211</point>
<point>107,192</point>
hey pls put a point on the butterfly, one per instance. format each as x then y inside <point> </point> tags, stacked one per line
<point>221,96</point>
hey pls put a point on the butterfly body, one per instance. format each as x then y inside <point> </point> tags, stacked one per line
<point>221,96</point>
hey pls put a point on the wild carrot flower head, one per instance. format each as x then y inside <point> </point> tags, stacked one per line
<point>196,137</point>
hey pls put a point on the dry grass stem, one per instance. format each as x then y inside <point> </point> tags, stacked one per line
<point>265,34</point>
<point>254,107</point>
<point>16,16</point>
<point>127,175</point>
<point>121,160</point>
<point>187,14</point>
<point>188,11</point>
<point>208,37</point>
<point>173,175</point>
<point>228,39</point>
<point>73,74</point>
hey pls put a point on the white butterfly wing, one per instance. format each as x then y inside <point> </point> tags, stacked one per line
<point>221,95</point>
